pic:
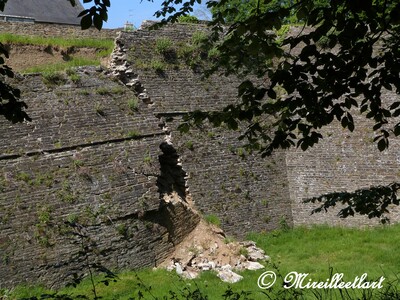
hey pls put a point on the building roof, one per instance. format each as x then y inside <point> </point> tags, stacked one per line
<point>44,11</point>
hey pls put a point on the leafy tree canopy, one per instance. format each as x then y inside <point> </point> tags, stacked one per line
<point>344,57</point>
<point>239,10</point>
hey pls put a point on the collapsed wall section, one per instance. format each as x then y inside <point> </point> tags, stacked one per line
<point>245,192</point>
<point>89,170</point>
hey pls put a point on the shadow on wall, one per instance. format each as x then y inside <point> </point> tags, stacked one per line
<point>176,212</point>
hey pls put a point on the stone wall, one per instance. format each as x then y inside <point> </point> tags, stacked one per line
<point>123,173</point>
<point>342,162</point>
<point>246,193</point>
<point>55,30</point>
<point>104,152</point>
<point>89,159</point>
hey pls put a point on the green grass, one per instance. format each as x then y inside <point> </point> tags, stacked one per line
<point>104,47</point>
<point>133,104</point>
<point>160,283</point>
<point>163,45</point>
<point>8,38</point>
<point>305,250</point>
<point>349,251</point>
<point>50,68</point>
<point>213,219</point>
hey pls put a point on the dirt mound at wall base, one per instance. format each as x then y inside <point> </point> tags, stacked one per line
<point>207,248</point>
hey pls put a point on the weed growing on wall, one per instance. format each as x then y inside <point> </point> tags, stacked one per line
<point>102,91</point>
<point>283,224</point>
<point>53,78</point>
<point>163,45</point>
<point>199,37</point>
<point>158,66</point>
<point>169,55</point>
<point>99,108</point>
<point>43,227</point>
<point>147,158</point>
<point>133,104</point>
<point>189,145</point>
<point>73,75</point>
<point>213,219</point>
<point>188,19</point>
<point>132,133</point>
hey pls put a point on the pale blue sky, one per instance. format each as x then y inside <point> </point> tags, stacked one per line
<point>133,11</point>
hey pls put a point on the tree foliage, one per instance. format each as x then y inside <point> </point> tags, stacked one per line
<point>345,57</point>
<point>373,202</point>
<point>239,10</point>
<point>11,107</point>
<point>96,15</point>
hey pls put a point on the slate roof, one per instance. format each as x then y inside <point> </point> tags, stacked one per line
<point>45,11</point>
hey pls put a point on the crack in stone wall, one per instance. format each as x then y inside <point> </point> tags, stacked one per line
<point>175,198</point>
<point>221,183</point>
<point>123,71</point>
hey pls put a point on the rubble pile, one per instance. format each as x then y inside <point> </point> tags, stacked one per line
<point>208,249</point>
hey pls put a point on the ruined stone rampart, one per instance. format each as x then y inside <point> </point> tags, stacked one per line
<point>244,191</point>
<point>103,151</point>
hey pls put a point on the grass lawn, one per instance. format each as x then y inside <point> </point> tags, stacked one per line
<point>349,251</point>
<point>8,38</point>
<point>315,250</point>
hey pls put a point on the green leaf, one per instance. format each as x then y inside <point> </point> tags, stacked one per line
<point>377,126</point>
<point>350,126</point>
<point>232,124</point>
<point>344,122</point>
<point>397,129</point>
<point>86,22</point>
<point>98,21</point>
<point>83,12</point>
<point>302,13</point>
<point>396,112</point>
<point>382,144</point>
<point>395,105</point>
<point>271,93</point>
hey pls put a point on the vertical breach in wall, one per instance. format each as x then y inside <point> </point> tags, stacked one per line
<point>243,191</point>
<point>176,204</point>
<point>124,72</point>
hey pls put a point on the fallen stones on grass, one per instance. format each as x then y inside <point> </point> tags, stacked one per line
<point>189,267</point>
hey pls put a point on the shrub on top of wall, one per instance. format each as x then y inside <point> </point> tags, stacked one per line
<point>188,19</point>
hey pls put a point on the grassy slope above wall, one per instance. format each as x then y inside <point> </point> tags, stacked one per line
<point>32,54</point>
